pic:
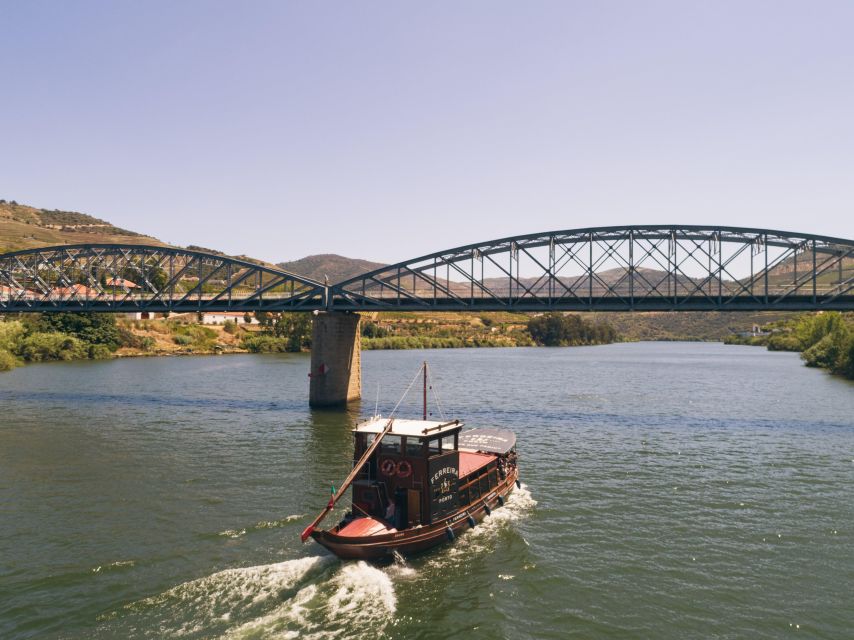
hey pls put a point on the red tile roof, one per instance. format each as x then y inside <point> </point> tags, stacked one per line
<point>471,462</point>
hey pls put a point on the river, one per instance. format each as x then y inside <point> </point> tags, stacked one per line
<point>670,490</point>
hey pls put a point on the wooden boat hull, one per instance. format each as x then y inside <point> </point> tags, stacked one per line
<point>415,540</point>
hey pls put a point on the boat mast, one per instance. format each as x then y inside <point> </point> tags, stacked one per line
<point>348,480</point>
<point>425,391</point>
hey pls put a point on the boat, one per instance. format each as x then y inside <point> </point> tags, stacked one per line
<point>417,484</point>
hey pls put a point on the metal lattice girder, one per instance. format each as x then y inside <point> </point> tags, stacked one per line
<point>661,267</point>
<point>128,278</point>
<point>655,268</point>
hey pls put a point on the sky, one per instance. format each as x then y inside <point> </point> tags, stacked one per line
<point>389,130</point>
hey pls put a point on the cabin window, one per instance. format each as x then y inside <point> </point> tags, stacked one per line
<point>413,447</point>
<point>434,446</point>
<point>475,491</point>
<point>484,484</point>
<point>493,478</point>
<point>464,496</point>
<point>391,445</point>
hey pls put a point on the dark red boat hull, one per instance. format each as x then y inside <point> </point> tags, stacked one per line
<point>411,541</point>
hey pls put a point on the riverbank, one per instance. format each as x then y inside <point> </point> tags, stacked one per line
<point>824,340</point>
<point>75,336</point>
<point>79,336</point>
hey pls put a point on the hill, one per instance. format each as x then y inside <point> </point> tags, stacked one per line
<point>335,267</point>
<point>688,325</point>
<point>25,227</point>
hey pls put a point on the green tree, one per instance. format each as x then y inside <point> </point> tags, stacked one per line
<point>555,329</point>
<point>139,272</point>
<point>38,347</point>
<point>7,361</point>
<point>810,329</point>
<point>846,360</point>
<point>92,328</point>
<point>373,330</point>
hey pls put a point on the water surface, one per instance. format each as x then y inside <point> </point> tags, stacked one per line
<point>671,490</point>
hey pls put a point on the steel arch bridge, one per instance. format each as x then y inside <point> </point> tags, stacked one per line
<point>644,268</point>
<point>134,278</point>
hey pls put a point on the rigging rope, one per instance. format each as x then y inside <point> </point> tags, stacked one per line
<point>435,395</point>
<point>405,393</point>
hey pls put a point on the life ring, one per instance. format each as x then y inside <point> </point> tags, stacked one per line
<point>388,467</point>
<point>404,469</point>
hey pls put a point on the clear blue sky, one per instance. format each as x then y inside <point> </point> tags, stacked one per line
<point>385,130</point>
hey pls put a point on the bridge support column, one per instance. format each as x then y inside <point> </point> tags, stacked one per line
<point>336,359</point>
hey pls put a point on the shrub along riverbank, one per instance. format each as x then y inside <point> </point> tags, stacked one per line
<point>453,331</point>
<point>61,336</point>
<point>825,340</point>
<point>78,336</point>
<point>72,336</point>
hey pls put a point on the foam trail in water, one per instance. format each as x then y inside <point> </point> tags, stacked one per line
<point>400,569</point>
<point>258,526</point>
<point>517,506</point>
<point>119,564</point>
<point>358,601</point>
<point>274,524</point>
<point>201,605</point>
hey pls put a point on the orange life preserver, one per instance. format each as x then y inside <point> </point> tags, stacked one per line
<point>404,469</point>
<point>388,467</point>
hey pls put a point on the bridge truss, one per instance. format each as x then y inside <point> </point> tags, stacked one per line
<point>644,268</point>
<point>649,268</point>
<point>134,278</point>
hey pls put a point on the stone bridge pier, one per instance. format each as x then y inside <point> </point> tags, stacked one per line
<point>336,359</point>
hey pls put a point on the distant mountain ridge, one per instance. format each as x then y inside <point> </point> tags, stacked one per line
<point>335,267</point>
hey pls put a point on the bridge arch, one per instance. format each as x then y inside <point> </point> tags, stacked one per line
<point>654,268</point>
<point>147,278</point>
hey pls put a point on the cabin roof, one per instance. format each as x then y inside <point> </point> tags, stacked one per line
<point>403,427</point>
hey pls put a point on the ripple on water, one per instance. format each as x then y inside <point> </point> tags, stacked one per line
<point>162,461</point>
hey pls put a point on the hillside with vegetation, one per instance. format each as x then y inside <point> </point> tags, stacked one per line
<point>26,227</point>
<point>335,267</point>
<point>688,326</point>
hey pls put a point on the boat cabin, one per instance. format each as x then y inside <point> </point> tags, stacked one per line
<point>419,473</point>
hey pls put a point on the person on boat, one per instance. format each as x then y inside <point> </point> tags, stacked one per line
<point>389,513</point>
